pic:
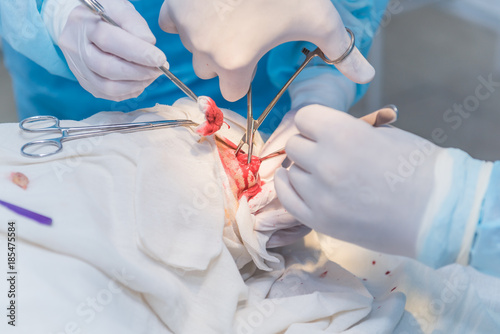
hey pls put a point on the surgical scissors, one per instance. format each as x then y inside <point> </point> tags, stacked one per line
<point>98,9</point>
<point>255,124</point>
<point>50,124</point>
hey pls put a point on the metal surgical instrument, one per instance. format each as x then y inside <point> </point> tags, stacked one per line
<point>98,9</point>
<point>250,126</point>
<point>50,124</point>
<point>255,124</point>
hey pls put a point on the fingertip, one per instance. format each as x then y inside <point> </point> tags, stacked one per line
<point>291,147</point>
<point>357,68</point>
<point>307,120</point>
<point>142,31</point>
<point>289,197</point>
<point>369,75</point>
<point>303,114</point>
<point>354,66</point>
<point>283,186</point>
<point>235,78</point>
<point>156,58</point>
<point>233,91</point>
<point>280,180</point>
<point>302,152</point>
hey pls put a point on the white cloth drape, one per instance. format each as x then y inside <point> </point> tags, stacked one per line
<point>145,239</point>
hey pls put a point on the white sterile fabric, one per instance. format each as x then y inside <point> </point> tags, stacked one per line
<point>255,28</point>
<point>452,299</point>
<point>148,238</point>
<point>109,62</point>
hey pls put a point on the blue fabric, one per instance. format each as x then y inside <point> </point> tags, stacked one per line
<point>43,84</point>
<point>21,26</point>
<point>485,252</point>
<point>444,239</point>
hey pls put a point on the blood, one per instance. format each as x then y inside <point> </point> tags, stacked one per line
<point>213,115</point>
<point>393,288</point>
<point>387,272</point>
<point>254,165</point>
<point>323,275</point>
<point>20,180</point>
<point>374,262</point>
<point>228,143</point>
<point>272,155</point>
<point>244,176</point>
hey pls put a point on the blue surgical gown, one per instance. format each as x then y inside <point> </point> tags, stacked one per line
<point>44,85</point>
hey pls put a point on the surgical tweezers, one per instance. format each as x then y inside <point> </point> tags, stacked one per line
<point>98,9</point>
<point>50,124</point>
<point>253,125</point>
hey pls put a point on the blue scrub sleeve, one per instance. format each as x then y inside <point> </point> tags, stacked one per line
<point>362,17</point>
<point>485,253</point>
<point>459,207</point>
<point>22,26</point>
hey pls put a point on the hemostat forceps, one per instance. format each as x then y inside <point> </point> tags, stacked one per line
<point>50,124</point>
<point>98,9</point>
<point>250,127</point>
<point>255,124</point>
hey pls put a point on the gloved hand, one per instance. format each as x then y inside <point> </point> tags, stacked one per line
<point>229,38</point>
<point>313,86</point>
<point>109,62</point>
<point>365,185</point>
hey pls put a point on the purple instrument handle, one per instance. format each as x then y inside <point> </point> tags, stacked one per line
<point>28,214</point>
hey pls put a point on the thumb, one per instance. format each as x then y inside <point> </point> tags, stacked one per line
<point>128,18</point>
<point>165,20</point>
<point>354,66</point>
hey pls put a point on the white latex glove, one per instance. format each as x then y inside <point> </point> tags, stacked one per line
<point>228,38</point>
<point>364,185</point>
<point>313,86</point>
<point>109,62</point>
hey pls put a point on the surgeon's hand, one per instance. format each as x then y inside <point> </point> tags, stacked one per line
<point>111,63</point>
<point>313,86</point>
<point>364,185</point>
<point>228,38</point>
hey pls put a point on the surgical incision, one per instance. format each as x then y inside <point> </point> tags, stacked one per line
<point>243,177</point>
